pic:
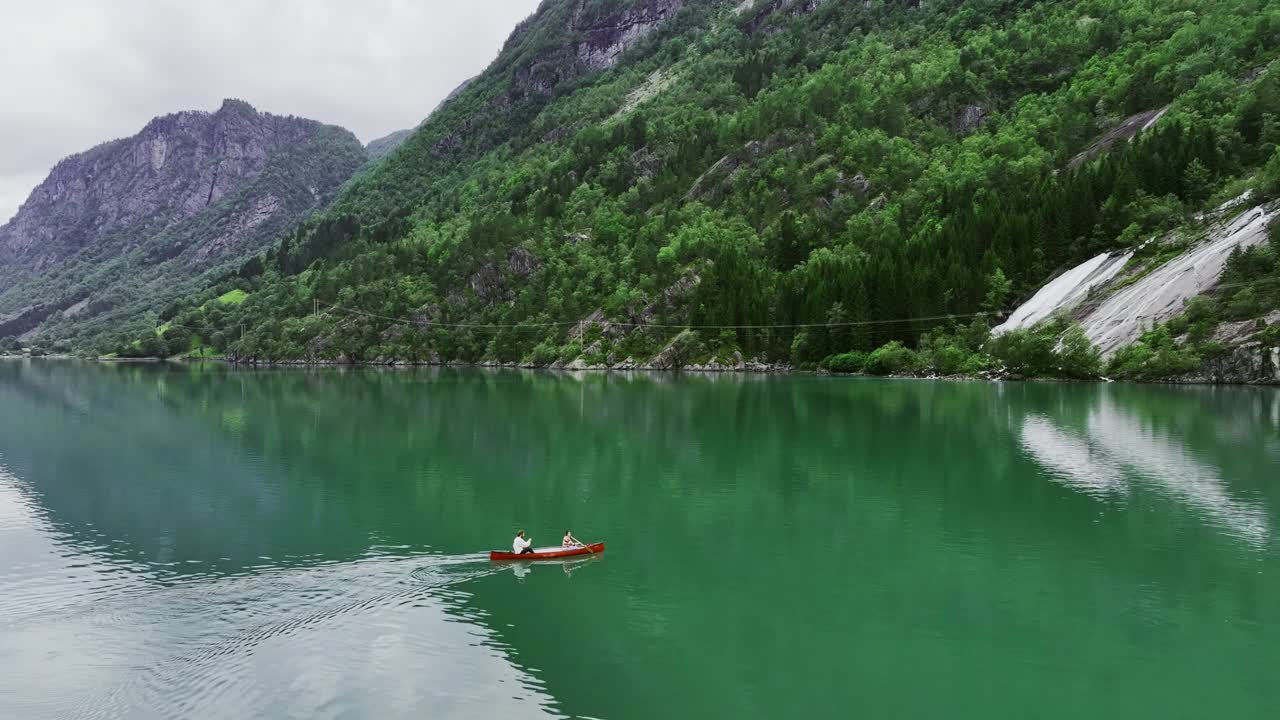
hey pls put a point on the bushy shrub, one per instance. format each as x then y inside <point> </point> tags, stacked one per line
<point>723,346</point>
<point>154,346</point>
<point>1156,356</point>
<point>1027,352</point>
<point>947,354</point>
<point>850,362</point>
<point>1077,357</point>
<point>1269,179</point>
<point>1141,362</point>
<point>543,354</point>
<point>1213,348</point>
<point>1245,304</point>
<point>1154,212</point>
<point>1230,190</point>
<point>598,352</point>
<point>1055,348</point>
<point>976,363</point>
<point>639,345</point>
<point>1271,336</point>
<point>891,358</point>
<point>570,351</point>
<point>177,340</point>
<point>803,348</point>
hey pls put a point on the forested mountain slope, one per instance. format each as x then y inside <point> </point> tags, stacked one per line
<point>379,147</point>
<point>131,224</point>
<point>769,166</point>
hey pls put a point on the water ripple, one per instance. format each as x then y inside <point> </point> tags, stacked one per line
<point>316,640</point>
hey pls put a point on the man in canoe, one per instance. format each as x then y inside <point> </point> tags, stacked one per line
<point>570,540</point>
<point>521,546</point>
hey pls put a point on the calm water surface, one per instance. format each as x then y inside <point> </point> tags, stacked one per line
<point>200,542</point>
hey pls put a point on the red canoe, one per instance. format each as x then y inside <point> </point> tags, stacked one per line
<point>548,553</point>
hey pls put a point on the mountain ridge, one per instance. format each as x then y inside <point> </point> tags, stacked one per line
<point>127,206</point>
<point>379,147</point>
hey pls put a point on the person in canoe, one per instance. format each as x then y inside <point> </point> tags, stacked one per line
<point>570,540</point>
<point>521,546</point>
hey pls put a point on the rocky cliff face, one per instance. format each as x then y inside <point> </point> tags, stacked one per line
<point>758,12</point>
<point>605,37</point>
<point>1115,301</point>
<point>176,167</point>
<point>190,191</point>
<point>597,36</point>
<point>1116,297</point>
<point>1250,362</point>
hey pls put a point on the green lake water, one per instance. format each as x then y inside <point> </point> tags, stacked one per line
<point>201,542</point>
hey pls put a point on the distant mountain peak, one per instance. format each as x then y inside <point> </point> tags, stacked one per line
<point>237,105</point>
<point>129,200</point>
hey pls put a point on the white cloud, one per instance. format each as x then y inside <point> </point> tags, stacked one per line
<point>77,73</point>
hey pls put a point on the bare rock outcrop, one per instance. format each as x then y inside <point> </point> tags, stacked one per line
<point>719,176</point>
<point>487,283</point>
<point>677,353</point>
<point>759,12</point>
<point>1128,129</point>
<point>522,262</point>
<point>1115,301</point>
<point>492,282</point>
<point>605,39</point>
<point>239,228</point>
<point>1251,362</point>
<point>970,118</point>
<point>598,37</point>
<point>1158,296</point>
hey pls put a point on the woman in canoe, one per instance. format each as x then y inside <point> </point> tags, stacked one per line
<point>570,540</point>
<point>520,545</point>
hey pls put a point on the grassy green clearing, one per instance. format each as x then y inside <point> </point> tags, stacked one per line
<point>233,297</point>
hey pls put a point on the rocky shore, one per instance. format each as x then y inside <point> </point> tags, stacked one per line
<point>1249,364</point>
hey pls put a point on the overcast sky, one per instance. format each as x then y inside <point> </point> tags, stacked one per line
<point>77,73</point>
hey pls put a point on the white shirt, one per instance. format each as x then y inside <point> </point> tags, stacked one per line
<point>519,544</point>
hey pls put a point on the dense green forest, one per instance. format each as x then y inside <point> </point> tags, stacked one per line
<point>771,169</point>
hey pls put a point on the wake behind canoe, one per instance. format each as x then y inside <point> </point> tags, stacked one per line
<point>548,553</point>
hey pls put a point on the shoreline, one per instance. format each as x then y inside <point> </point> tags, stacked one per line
<point>712,368</point>
<point>745,368</point>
